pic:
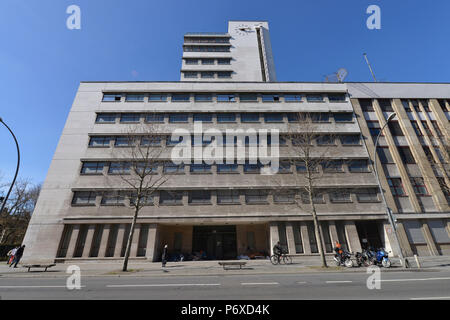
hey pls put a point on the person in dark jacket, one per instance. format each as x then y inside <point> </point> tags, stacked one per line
<point>17,256</point>
<point>164,256</point>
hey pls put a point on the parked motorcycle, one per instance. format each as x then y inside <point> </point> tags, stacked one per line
<point>343,259</point>
<point>380,257</point>
<point>362,258</point>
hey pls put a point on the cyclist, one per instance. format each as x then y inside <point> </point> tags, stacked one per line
<point>278,251</point>
<point>338,250</point>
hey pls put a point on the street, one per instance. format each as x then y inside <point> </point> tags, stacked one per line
<point>425,285</point>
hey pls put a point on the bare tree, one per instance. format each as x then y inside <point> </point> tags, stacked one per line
<point>137,164</point>
<point>310,150</point>
<point>18,210</point>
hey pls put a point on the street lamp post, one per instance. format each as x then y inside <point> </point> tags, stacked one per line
<point>17,168</point>
<point>388,210</point>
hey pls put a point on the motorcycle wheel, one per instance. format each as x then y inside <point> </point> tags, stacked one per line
<point>338,263</point>
<point>386,263</point>
<point>348,263</point>
<point>366,263</point>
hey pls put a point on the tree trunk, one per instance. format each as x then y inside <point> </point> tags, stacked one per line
<point>317,229</point>
<point>130,239</point>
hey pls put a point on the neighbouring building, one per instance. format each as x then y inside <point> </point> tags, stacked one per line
<point>228,81</point>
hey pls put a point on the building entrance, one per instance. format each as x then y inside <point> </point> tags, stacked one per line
<point>369,234</point>
<point>218,242</point>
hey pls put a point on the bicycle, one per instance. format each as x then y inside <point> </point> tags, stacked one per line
<point>282,259</point>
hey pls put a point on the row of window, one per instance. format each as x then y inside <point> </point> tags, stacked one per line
<point>206,48</point>
<point>158,140</point>
<point>207,61</point>
<point>253,117</point>
<point>207,74</point>
<point>188,39</point>
<point>406,155</point>
<point>168,167</point>
<point>386,106</point>
<point>224,197</point>
<point>225,97</point>
<point>398,190</point>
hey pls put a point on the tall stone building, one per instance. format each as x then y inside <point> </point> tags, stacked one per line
<point>228,81</point>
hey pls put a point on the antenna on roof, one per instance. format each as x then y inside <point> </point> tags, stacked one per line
<point>338,76</point>
<point>370,67</point>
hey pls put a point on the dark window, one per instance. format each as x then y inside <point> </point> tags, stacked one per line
<point>292,98</point>
<point>385,155</point>
<point>425,105</point>
<point>99,141</point>
<point>248,97</point>
<point>249,117</point>
<point>293,117</point>
<point>223,74</point>
<point>84,198</point>
<point>200,197</point>
<point>415,125</point>
<point>200,168</point>
<point>358,166</point>
<point>284,167</point>
<point>226,117</point>
<point>171,141</point>
<point>406,155</point>
<point>340,196</point>
<point>147,167</point>
<point>385,105</point>
<point>287,196</point>
<point>130,117</point>
<point>124,141</point>
<point>207,74</point>
<point>228,197</point>
<point>106,118</point>
<point>178,117</point>
<point>207,61</point>
<point>226,98</point>
<point>93,167</point>
<point>224,61</point>
<point>320,117</point>
<point>119,168</point>
<point>436,127</point>
<point>191,61</point>
<point>170,197</point>
<point>112,97</point>
<point>367,195</point>
<point>419,186</point>
<point>395,129</point>
<point>314,98</point>
<point>157,97</point>
<point>343,117</point>
<point>396,186</point>
<point>273,117</point>
<point>325,140</point>
<point>135,97</point>
<point>427,128</point>
<point>227,168</point>
<point>336,97</point>
<point>157,117</point>
<point>352,140</point>
<point>170,167</point>
<point>374,127</point>
<point>332,166</point>
<point>405,104</point>
<point>151,141</point>
<point>317,197</point>
<point>256,196</point>
<point>113,199</point>
<point>252,168</point>
<point>428,154</point>
<point>366,105</point>
<point>203,117</point>
<point>443,105</point>
<point>270,98</point>
<point>203,97</point>
<point>177,97</point>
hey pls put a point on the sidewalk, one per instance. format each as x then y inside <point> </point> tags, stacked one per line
<point>212,268</point>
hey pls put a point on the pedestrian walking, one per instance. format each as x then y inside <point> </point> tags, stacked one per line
<point>164,256</point>
<point>11,253</point>
<point>17,256</point>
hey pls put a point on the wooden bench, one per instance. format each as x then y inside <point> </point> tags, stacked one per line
<point>233,263</point>
<point>46,266</point>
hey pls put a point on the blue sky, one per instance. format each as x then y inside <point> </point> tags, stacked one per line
<point>42,62</point>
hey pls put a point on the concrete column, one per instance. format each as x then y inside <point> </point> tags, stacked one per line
<point>151,253</point>
<point>104,241</point>
<point>333,232</point>
<point>305,238</point>
<point>88,242</point>
<point>404,242</point>
<point>429,238</point>
<point>322,238</point>
<point>73,241</point>
<point>290,237</point>
<point>448,226</point>
<point>389,239</point>
<point>352,236</point>
<point>274,237</point>
<point>135,240</point>
<point>119,240</point>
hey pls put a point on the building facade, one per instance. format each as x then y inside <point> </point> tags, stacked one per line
<point>228,210</point>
